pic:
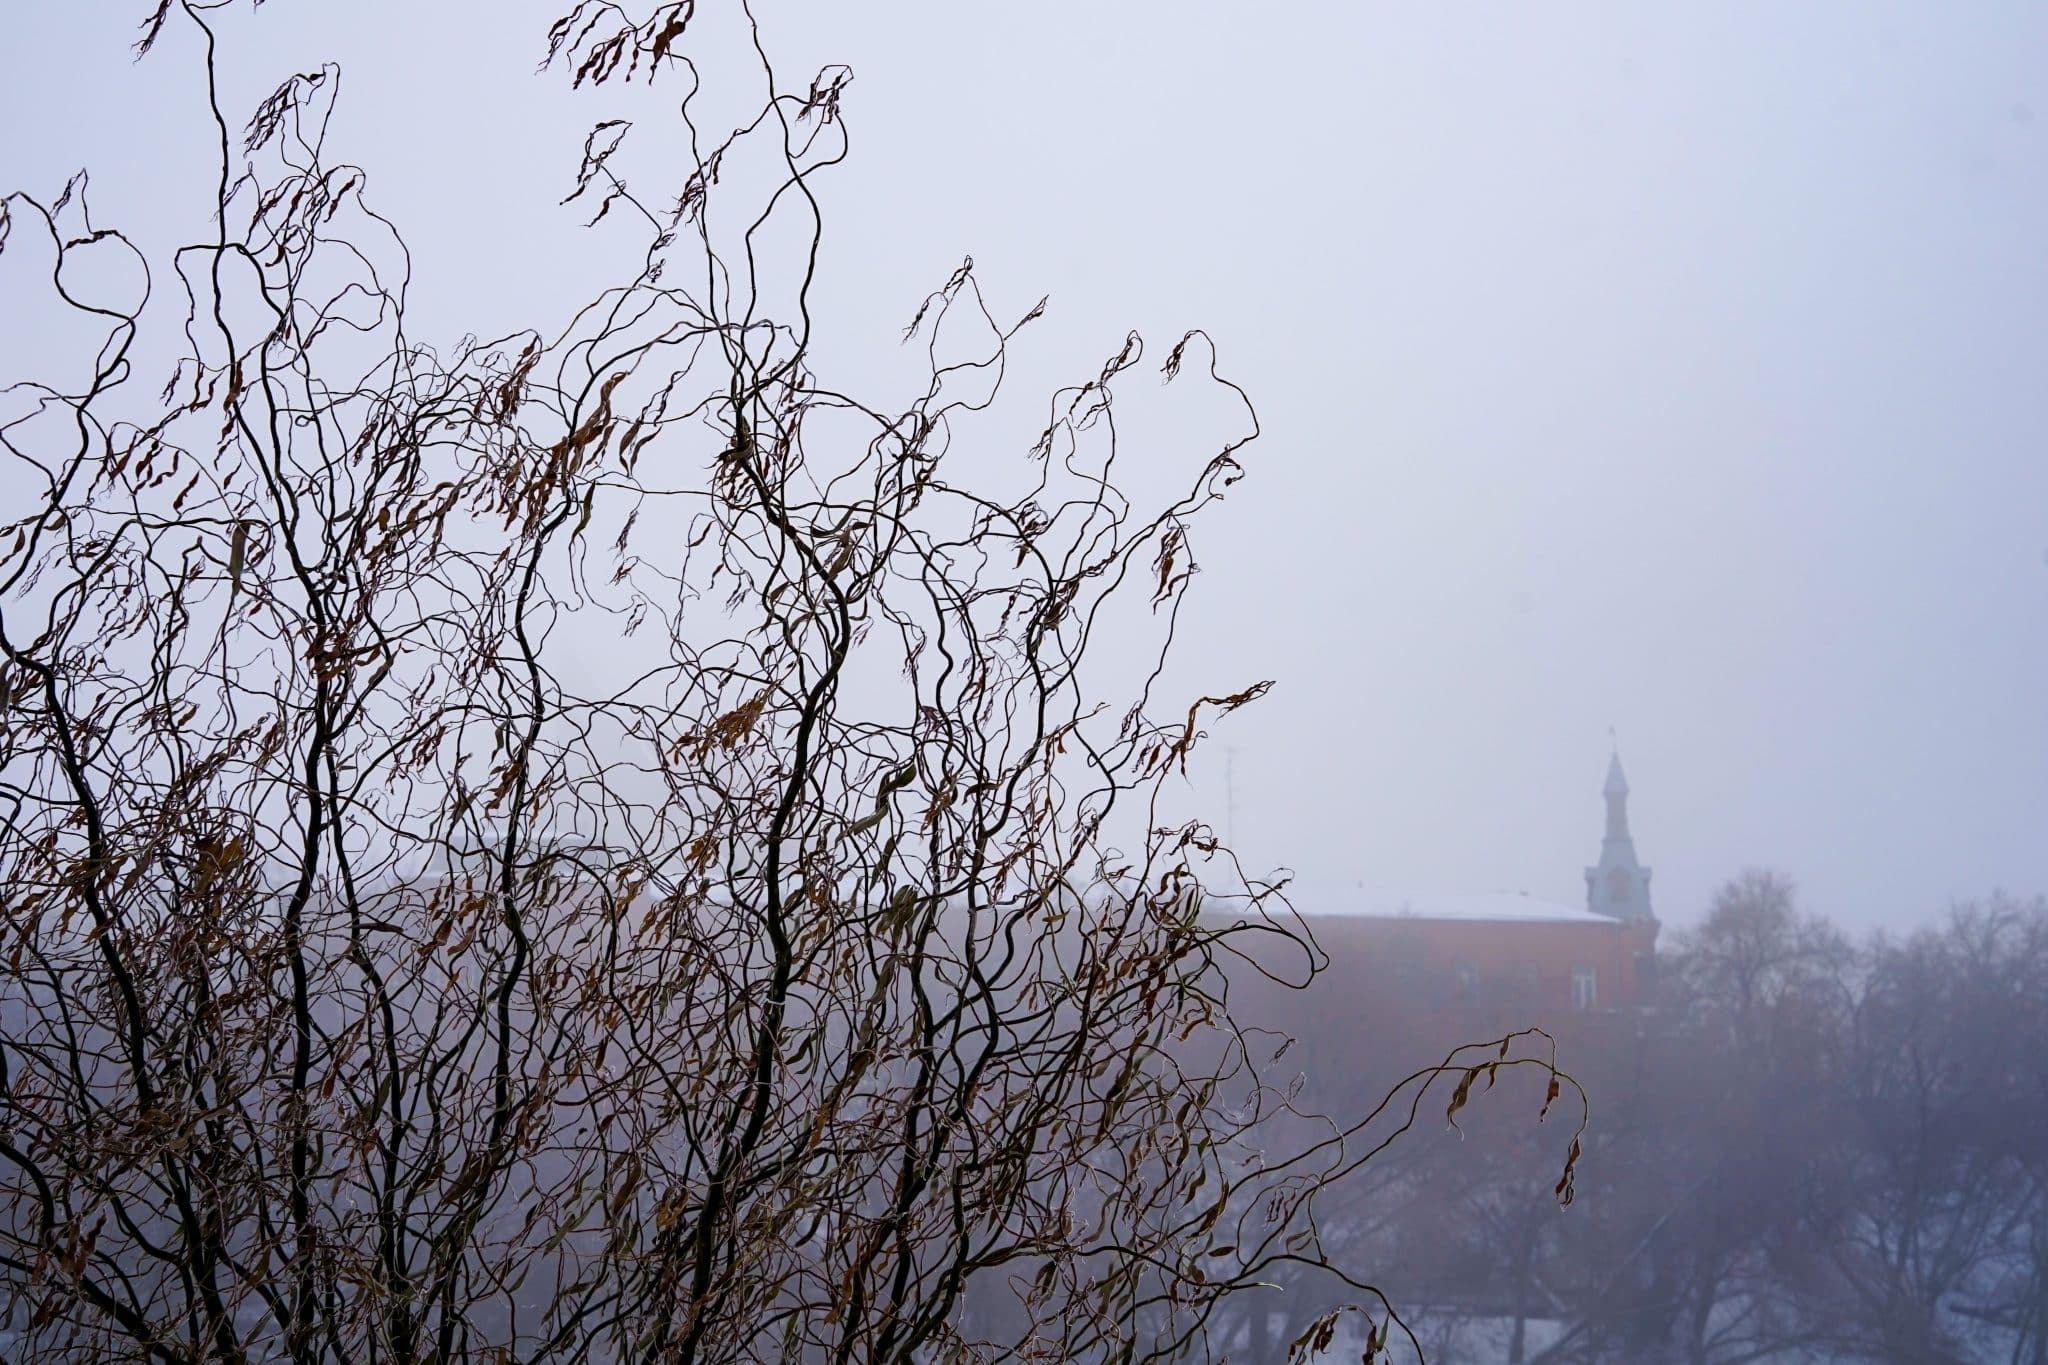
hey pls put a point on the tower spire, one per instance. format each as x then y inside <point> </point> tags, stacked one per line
<point>1618,886</point>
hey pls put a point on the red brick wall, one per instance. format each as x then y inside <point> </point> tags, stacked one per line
<point>1528,962</point>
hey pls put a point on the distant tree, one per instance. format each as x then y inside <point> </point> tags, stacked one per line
<point>1719,1123</point>
<point>1944,1105</point>
<point>1756,956</point>
<point>1810,1150</point>
<point>819,979</point>
<point>1828,1153</point>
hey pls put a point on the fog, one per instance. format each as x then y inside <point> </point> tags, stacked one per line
<point>1675,372</point>
<point>1658,385</point>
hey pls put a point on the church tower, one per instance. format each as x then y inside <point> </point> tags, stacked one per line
<point>1619,887</point>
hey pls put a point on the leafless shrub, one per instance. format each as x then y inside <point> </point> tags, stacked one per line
<point>823,983</point>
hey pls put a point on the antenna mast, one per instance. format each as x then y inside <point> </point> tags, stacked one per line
<point>1230,796</point>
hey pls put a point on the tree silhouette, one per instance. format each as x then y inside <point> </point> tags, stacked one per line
<point>823,982</point>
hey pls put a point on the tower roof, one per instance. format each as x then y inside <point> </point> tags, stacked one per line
<point>1618,886</point>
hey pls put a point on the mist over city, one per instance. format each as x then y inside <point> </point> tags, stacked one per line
<point>743,679</point>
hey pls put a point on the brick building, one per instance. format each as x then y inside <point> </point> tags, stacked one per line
<point>1506,952</point>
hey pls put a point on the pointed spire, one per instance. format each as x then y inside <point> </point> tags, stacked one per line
<point>1617,785</point>
<point>1618,886</point>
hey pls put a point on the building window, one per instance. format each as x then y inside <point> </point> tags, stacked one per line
<point>1583,993</point>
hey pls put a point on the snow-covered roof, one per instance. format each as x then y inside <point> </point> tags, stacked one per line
<point>1381,903</point>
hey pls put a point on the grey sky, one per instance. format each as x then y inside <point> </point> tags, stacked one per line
<point>1677,368</point>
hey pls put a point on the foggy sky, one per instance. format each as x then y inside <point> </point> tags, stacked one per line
<point>1679,369</point>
